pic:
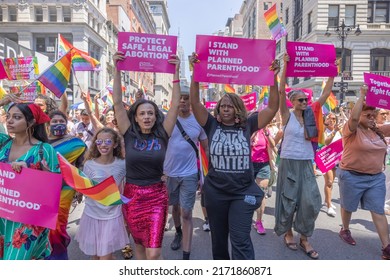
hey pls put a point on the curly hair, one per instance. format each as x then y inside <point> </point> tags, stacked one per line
<point>239,108</point>
<point>93,151</point>
<point>51,104</point>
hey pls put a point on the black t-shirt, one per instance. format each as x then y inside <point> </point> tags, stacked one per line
<point>230,166</point>
<point>144,158</point>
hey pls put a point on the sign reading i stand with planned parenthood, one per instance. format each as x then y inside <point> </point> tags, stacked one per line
<point>146,52</point>
<point>311,60</point>
<point>228,60</point>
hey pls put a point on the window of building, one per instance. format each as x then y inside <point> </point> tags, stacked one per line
<point>348,59</point>
<point>38,13</point>
<point>298,4</point>
<point>295,81</point>
<point>94,76</point>
<point>297,29</point>
<point>309,23</point>
<point>380,61</point>
<point>333,16</point>
<point>40,44</point>
<point>12,13</point>
<point>53,14</point>
<point>1,14</point>
<point>378,11</point>
<point>66,14</point>
<point>287,16</point>
<point>350,15</point>
<point>267,5</point>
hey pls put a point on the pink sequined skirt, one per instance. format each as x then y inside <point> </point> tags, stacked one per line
<point>146,213</point>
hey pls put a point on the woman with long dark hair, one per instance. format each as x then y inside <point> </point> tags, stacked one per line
<point>28,148</point>
<point>146,136</point>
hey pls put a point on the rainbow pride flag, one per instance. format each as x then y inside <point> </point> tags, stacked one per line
<point>107,98</point>
<point>56,77</point>
<point>81,61</point>
<point>2,92</point>
<point>264,95</point>
<point>204,164</point>
<point>110,87</point>
<point>229,89</point>
<point>316,106</point>
<point>106,192</point>
<point>277,28</point>
<point>330,103</point>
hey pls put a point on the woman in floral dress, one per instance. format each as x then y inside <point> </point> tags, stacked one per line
<point>27,148</point>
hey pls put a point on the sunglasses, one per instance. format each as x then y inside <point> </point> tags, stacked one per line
<point>107,142</point>
<point>302,99</point>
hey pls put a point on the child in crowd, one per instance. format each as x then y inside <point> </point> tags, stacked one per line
<point>102,230</point>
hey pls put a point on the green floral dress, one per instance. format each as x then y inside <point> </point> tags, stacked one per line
<point>20,241</point>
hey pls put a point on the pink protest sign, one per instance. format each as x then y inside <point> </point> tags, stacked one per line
<point>30,197</point>
<point>210,104</point>
<point>229,60</point>
<point>146,52</point>
<point>308,92</point>
<point>3,73</point>
<point>311,60</point>
<point>329,156</point>
<point>22,68</point>
<point>378,94</point>
<point>249,101</point>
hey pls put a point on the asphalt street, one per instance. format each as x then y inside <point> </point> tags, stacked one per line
<point>270,247</point>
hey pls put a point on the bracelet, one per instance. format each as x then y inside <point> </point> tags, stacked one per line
<point>175,81</point>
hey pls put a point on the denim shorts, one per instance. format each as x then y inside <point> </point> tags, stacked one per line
<point>369,190</point>
<point>261,170</point>
<point>182,190</point>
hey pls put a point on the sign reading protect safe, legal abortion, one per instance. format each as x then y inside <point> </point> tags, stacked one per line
<point>228,60</point>
<point>378,93</point>
<point>30,197</point>
<point>311,60</point>
<point>329,156</point>
<point>146,52</point>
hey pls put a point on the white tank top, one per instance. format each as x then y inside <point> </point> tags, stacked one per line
<point>294,145</point>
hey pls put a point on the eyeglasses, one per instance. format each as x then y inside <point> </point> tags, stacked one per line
<point>107,142</point>
<point>369,116</point>
<point>302,99</point>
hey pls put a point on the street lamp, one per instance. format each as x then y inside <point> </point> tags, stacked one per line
<point>342,32</point>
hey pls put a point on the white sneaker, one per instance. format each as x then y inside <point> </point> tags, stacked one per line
<point>324,208</point>
<point>333,206</point>
<point>206,227</point>
<point>331,212</point>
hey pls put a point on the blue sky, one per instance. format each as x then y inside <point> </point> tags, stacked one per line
<point>199,17</point>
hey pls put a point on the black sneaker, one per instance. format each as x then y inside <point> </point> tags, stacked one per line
<point>176,243</point>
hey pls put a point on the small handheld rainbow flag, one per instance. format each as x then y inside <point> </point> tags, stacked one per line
<point>204,164</point>
<point>264,95</point>
<point>106,192</point>
<point>56,77</point>
<point>81,61</point>
<point>330,103</point>
<point>277,28</point>
<point>229,89</point>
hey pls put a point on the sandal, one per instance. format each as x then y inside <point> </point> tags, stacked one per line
<point>127,252</point>
<point>313,254</point>
<point>291,245</point>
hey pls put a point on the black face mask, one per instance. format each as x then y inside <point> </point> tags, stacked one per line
<point>58,129</point>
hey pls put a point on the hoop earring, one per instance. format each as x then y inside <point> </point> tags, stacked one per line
<point>237,120</point>
<point>218,118</point>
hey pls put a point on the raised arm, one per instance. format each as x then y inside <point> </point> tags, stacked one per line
<point>265,116</point>
<point>284,112</point>
<point>120,112</point>
<point>170,119</point>
<point>96,102</point>
<point>357,109</point>
<point>64,104</point>
<point>96,124</point>
<point>200,112</point>
<point>327,90</point>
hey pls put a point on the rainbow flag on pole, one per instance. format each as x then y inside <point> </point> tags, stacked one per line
<point>81,61</point>
<point>330,103</point>
<point>264,95</point>
<point>277,28</point>
<point>229,89</point>
<point>56,77</point>
<point>106,192</point>
<point>204,164</point>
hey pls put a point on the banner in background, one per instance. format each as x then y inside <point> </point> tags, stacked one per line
<point>230,60</point>
<point>29,93</point>
<point>22,68</point>
<point>210,104</point>
<point>30,197</point>
<point>378,94</point>
<point>311,60</point>
<point>249,101</point>
<point>146,52</point>
<point>329,156</point>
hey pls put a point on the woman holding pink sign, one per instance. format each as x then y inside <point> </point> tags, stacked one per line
<point>28,148</point>
<point>146,136</point>
<point>298,199</point>
<point>231,193</point>
<point>361,177</point>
